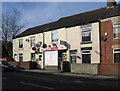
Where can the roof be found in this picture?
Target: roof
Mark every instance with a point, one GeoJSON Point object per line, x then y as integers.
{"type": "Point", "coordinates": [74, 20]}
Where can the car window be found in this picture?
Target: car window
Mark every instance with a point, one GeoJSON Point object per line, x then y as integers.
{"type": "Point", "coordinates": [6, 63]}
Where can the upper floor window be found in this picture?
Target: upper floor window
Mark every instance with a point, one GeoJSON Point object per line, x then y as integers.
{"type": "Point", "coordinates": [86, 34]}
{"type": "Point", "coordinates": [116, 30]}
{"type": "Point", "coordinates": [116, 55]}
{"type": "Point", "coordinates": [32, 43]}
{"type": "Point", "coordinates": [20, 43]}
{"type": "Point", "coordinates": [54, 35]}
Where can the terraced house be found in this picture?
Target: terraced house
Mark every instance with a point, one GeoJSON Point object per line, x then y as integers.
{"type": "Point", "coordinates": [85, 40]}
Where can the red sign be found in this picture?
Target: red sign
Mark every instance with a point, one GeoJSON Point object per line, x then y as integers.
{"type": "Point", "coordinates": [54, 48]}
{"type": "Point", "coordinates": [34, 48]}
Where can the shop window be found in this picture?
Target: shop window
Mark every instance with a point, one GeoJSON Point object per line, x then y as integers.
{"type": "Point", "coordinates": [54, 35]}
{"type": "Point", "coordinates": [86, 34]}
{"type": "Point", "coordinates": [21, 57]}
{"type": "Point", "coordinates": [15, 57]}
{"type": "Point", "coordinates": [73, 56]}
{"type": "Point", "coordinates": [32, 43]}
{"type": "Point", "coordinates": [116, 55]}
{"type": "Point", "coordinates": [33, 57]}
{"type": "Point", "coordinates": [116, 30]}
{"type": "Point", "coordinates": [86, 56]}
{"type": "Point", "coordinates": [20, 43]}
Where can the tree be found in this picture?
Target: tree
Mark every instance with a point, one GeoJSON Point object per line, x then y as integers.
{"type": "Point", "coordinates": [10, 28]}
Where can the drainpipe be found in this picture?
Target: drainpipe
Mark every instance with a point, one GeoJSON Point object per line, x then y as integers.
{"type": "Point", "coordinates": [100, 39]}
{"type": "Point", "coordinates": [43, 50]}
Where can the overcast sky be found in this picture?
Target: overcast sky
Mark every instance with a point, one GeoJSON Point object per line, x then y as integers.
{"type": "Point", "coordinates": [38, 13]}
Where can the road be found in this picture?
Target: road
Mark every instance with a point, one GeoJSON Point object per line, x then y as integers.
{"type": "Point", "coordinates": [42, 81]}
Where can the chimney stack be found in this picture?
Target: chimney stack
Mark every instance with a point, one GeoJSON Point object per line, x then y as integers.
{"type": "Point", "coordinates": [111, 3]}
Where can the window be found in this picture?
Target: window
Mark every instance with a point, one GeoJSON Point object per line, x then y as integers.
{"type": "Point", "coordinates": [116, 55]}
{"type": "Point", "coordinates": [20, 43]}
{"type": "Point", "coordinates": [86, 34]}
{"type": "Point", "coordinates": [54, 35]}
{"type": "Point", "coordinates": [40, 57]}
{"type": "Point", "coordinates": [86, 55]}
{"type": "Point", "coordinates": [116, 30]}
{"type": "Point", "coordinates": [15, 57]}
{"type": "Point", "coordinates": [73, 56]}
{"type": "Point", "coordinates": [33, 57]}
{"type": "Point", "coordinates": [32, 41]}
{"type": "Point", "coordinates": [21, 57]}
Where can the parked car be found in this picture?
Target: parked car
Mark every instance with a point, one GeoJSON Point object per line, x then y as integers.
{"type": "Point", "coordinates": [6, 66]}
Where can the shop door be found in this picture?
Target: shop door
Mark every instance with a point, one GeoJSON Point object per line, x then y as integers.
{"type": "Point", "coordinates": [59, 60]}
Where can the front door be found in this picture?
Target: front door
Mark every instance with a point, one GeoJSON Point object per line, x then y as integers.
{"type": "Point", "coordinates": [59, 60]}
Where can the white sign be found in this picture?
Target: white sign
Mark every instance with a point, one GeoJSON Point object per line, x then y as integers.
{"type": "Point", "coordinates": [51, 58]}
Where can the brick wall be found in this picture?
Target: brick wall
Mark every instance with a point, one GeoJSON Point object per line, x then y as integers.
{"type": "Point", "coordinates": [16, 64]}
{"type": "Point", "coordinates": [106, 46]}
{"type": "Point", "coordinates": [24, 65]}
{"type": "Point", "coordinates": [112, 69]}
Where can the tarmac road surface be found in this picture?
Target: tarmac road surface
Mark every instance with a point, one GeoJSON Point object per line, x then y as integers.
{"type": "Point", "coordinates": [41, 81]}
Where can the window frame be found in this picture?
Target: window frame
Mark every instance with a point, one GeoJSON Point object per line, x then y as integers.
{"type": "Point", "coordinates": [73, 54]}
{"type": "Point", "coordinates": [19, 57]}
{"type": "Point", "coordinates": [14, 57]}
{"type": "Point", "coordinates": [86, 54]}
{"type": "Point", "coordinates": [20, 43]}
{"type": "Point", "coordinates": [31, 41]}
{"type": "Point", "coordinates": [41, 54]}
{"type": "Point", "coordinates": [115, 52]}
{"type": "Point", "coordinates": [86, 29]}
{"type": "Point", "coordinates": [115, 26]}
{"type": "Point", "coordinates": [52, 33]}
{"type": "Point", "coordinates": [31, 57]}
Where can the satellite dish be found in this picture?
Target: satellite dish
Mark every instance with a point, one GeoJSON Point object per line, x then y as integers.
{"type": "Point", "coordinates": [54, 44]}
{"type": "Point", "coordinates": [44, 45]}
{"type": "Point", "coordinates": [103, 38]}
{"type": "Point", "coordinates": [39, 44]}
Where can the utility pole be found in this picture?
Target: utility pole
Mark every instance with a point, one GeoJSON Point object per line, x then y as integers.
{"type": "Point", "coordinates": [43, 52]}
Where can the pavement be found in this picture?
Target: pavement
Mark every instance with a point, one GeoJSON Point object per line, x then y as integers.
{"type": "Point", "coordinates": [108, 77]}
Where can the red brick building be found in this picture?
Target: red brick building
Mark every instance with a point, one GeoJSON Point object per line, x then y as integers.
{"type": "Point", "coordinates": [110, 44]}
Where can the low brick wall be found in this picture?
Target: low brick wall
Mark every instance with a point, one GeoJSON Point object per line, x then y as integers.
{"type": "Point", "coordinates": [85, 68]}
{"type": "Point", "coordinates": [24, 65]}
{"type": "Point", "coordinates": [51, 68]}
{"type": "Point", "coordinates": [112, 69]}
{"type": "Point", "coordinates": [16, 64]}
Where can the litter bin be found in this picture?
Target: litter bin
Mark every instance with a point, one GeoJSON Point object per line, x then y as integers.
{"type": "Point", "coordinates": [66, 66]}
